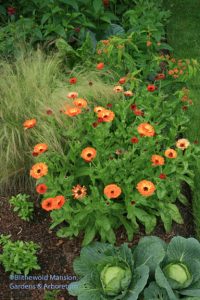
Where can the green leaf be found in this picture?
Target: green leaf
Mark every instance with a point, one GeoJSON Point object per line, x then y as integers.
{"type": "Point", "coordinates": [174, 213]}
{"type": "Point", "coordinates": [2, 10]}
{"type": "Point", "coordinates": [60, 30]}
{"type": "Point", "coordinates": [163, 283]}
{"type": "Point", "coordinates": [140, 277]}
{"type": "Point", "coordinates": [97, 5]}
{"type": "Point", "coordinates": [126, 254]}
{"type": "Point", "coordinates": [150, 251]}
{"type": "Point", "coordinates": [167, 220]}
{"type": "Point", "coordinates": [183, 199]}
{"type": "Point", "coordinates": [148, 220]}
{"type": "Point", "coordinates": [114, 29]}
{"type": "Point", "coordinates": [128, 226]}
{"type": "Point", "coordinates": [166, 46]}
{"type": "Point", "coordinates": [154, 292]}
{"type": "Point", "coordinates": [103, 222]}
{"type": "Point", "coordinates": [180, 249]}
{"type": "Point", "coordinates": [161, 193]}
{"type": "Point", "coordinates": [72, 3]}
{"type": "Point", "coordinates": [85, 289]}
{"type": "Point", "coordinates": [191, 292]}
{"type": "Point", "coordinates": [90, 256]}
{"type": "Point", "coordinates": [89, 235]}
{"type": "Point", "coordinates": [45, 17]}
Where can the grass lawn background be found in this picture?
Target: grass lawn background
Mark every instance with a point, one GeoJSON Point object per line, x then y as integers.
{"type": "Point", "coordinates": [183, 33]}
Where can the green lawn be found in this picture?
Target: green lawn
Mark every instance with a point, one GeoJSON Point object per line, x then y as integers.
{"type": "Point", "coordinates": [183, 33]}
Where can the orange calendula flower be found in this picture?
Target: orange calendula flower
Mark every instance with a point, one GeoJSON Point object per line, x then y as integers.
{"type": "Point", "coordinates": [128, 93]}
{"type": "Point", "coordinates": [79, 192]}
{"type": "Point", "coordinates": [145, 129]}
{"type": "Point", "coordinates": [100, 66]}
{"type": "Point", "coordinates": [105, 42]}
{"type": "Point", "coordinates": [112, 191]}
{"type": "Point", "coordinates": [59, 201]}
{"type": "Point", "coordinates": [148, 43]}
{"type": "Point", "coordinates": [72, 95]}
{"type": "Point", "coordinates": [170, 153]}
{"type": "Point", "coordinates": [80, 102]}
{"type": "Point", "coordinates": [41, 188]}
{"type": "Point", "coordinates": [122, 80]}
{"type": "Point", "coordinates": [146, 188]}
{"type": "Point", "coordinates": [29, 123]}
{"type": "Point", "coordinates": [98, 109]}
{"type": "Point", "coordinates": [157, 160]}
{"type": "Point", "coordinates": [40, 148]}
{"type": "Point", "coordinates": [48, 204]}
{"type": "Point", "coordinates": [118, 89]}
{"type": "Point", "coordinates": [73, 80]}
{"type": "Point", "coordinates": [170, 72]}
{"type": "Point", "coordinates": [72, 111]}
{"type": "Point", "coordinates": [106, 115]}
{"type": "Point", "coordinates": [88, 154]}
{"type": "Point", "coordinates": [182, 144]}
{"type": "Point", "coordinates": [38, 170]}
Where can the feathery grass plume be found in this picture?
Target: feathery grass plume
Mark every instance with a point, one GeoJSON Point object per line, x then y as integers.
{"type": "Point", "coordinates": [30, 88]}
{"type": "Point", "coordinates": [26, 91]}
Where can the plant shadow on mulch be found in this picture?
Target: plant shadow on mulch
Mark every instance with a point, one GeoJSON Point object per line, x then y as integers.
{"type": "Point", "coordinates": [56, 255]}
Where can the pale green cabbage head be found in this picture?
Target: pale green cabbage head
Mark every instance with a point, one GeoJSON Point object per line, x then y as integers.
{"type": "Point", "coordinates": [178, 272]}
{"type": "Point", "coordinates": [115, 279]}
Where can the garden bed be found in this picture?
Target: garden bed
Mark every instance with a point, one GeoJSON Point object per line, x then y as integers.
{"type": "Point", "coordinates": [100, 148]}
{"type": "Point", "coordinates": [57, 255]}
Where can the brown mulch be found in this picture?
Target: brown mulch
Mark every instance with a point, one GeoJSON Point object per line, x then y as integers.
{"type": "Point", "coordinates": [56, 255]}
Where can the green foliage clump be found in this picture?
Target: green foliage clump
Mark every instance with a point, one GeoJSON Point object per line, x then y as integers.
{"type": "Point", "coordinates": [37, 22]}
{"type": "Point", "coordinates": [22, 206]}
{"type": "Point", "coordinates": [18, 257]}
{"type": "Point", "coordinates": [51, 295]}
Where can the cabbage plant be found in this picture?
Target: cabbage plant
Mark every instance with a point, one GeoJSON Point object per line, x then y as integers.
{"type": "Point", "coordinates": [108, 272]}
{"type": "Point", "coordinates": [177, 275]}
{"type": "Point", "coordinates": [153, 270]}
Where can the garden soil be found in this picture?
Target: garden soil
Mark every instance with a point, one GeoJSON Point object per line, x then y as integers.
{"type": "Point", "coordinates": [56, 255]}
